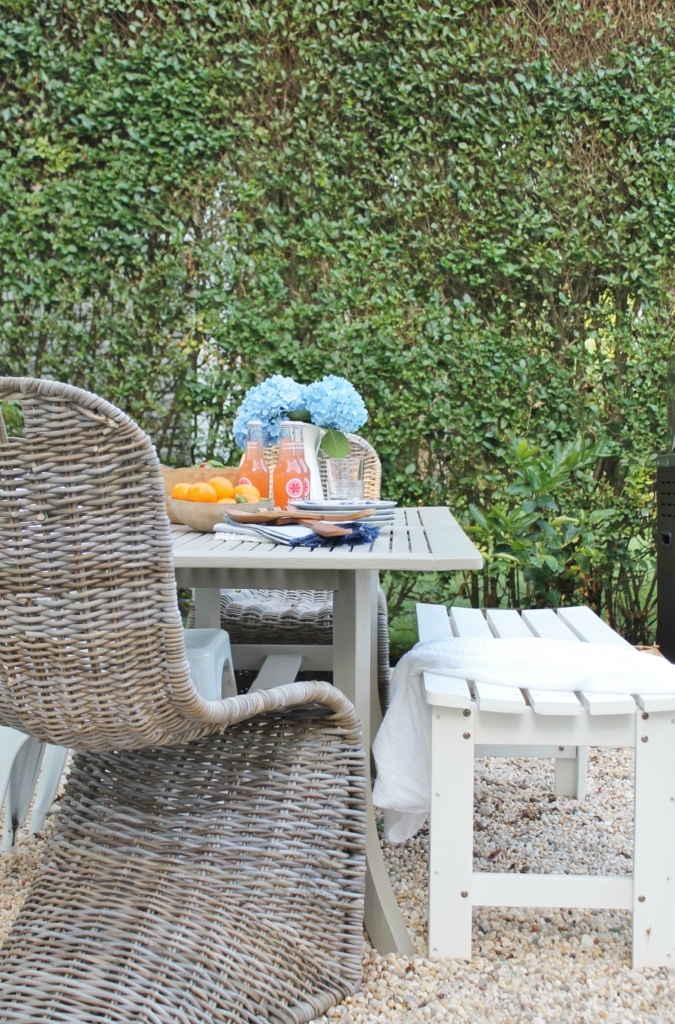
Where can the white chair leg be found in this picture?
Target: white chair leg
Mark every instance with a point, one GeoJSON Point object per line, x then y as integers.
{"type": "Point", "coordinates": [53, 764]}
{"type": "Point", "coordinates": [451, 833]}
{"type": "Point", "coordinates": [19, 767]}
{"type": "Point", "coordinates": [570, 774]}
{"type": "Point", "coordinates": [654, 845]}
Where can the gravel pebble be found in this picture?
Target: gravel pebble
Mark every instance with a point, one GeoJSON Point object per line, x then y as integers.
{"type": "Point", "coordinates": [544, 966]}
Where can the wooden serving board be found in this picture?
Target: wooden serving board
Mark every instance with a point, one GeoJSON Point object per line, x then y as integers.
{"type": "Point", "coordinates": [279, 516]}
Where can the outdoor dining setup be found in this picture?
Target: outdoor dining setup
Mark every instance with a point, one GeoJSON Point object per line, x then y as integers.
{"type": "Point", "coordinates": [215, 855]}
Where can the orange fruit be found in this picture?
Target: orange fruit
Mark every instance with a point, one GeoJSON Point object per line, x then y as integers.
{"type": "Point", "coordinates": [202, 492]}
{"type": "Point", "coordinates": [247, 491]}
{"type": "Point", "coordinates": [180, 491]}
{"type": "Point", "coordinates": [226, 501]}
{"type": "Point", "coordinates": [223, 487]}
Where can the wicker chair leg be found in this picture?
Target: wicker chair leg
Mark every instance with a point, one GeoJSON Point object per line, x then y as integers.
{"type": "Point", "coordinates": [221, 880]}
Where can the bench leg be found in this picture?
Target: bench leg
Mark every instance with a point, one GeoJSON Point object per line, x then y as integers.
{"type": "Point", "coordinates": [654, 851]}
{"type": "Point", "coordinates": [451, 833]}
{"type": "Point", "coordinates": [570, 774]}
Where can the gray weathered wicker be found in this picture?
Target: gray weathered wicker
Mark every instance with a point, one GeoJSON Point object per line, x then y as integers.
{"type": "Point", "coordinates": [295, 617]}
{"type": "Point", "coordinates": [305, 616]}
{"type": "Point", "coordinates": [208, 860]}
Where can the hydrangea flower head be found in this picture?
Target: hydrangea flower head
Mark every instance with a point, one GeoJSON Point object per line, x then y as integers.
{"type": "Point", "coordinates": [270, 401]}
{"type": "Point", "coordinates": [334, 402]}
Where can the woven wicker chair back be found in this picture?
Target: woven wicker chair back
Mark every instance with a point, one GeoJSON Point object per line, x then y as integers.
{"type": "Point", "coordinates": [358, 446]}
{"type": "Point", "coordinates": [91, 644]}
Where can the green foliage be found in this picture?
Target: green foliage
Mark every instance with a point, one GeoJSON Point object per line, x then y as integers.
{"type": "Point", "coordinates": [560, 532]}
{"type": "Point", "coordinates": [335, 444]}
{"type": "Point", "coordinates": [467, 209]}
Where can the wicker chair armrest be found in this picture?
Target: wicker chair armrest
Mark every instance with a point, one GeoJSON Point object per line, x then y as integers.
{"type": "Point", "coordinates": [280, 698]}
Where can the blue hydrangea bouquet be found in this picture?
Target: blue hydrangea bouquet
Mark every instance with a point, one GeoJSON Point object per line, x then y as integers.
{"type": "Point", "coordinates": [332, 403]}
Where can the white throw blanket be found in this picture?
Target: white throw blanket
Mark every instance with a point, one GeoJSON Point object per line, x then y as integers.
{"type": "Point", "coordinates": [403, 742]}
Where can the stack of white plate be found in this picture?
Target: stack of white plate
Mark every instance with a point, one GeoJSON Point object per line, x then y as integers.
{"type": "Point", "coordinates": [383, 510]}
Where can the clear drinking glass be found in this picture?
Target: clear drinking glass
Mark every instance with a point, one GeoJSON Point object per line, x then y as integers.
{"type": "Point", "coordinates": [345, 479]}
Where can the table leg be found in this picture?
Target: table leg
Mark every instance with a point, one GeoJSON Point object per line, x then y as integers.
{"type": "Point", "coordinates": [207, 608]}
{"type": "Point", "coordinates": [355, 674]}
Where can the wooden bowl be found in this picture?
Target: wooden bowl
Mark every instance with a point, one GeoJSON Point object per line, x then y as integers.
{"type": "Point", "coordinates": [203, 515]}
{"type": "Point", "coordinates": [193, 475]}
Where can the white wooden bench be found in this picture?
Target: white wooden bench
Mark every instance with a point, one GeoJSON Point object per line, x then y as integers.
{"type": "Point", "coordinates": [478, 719]}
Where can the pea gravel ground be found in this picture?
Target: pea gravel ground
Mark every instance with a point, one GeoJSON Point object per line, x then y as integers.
{"type": "Point", "coordinates": [539, 966]}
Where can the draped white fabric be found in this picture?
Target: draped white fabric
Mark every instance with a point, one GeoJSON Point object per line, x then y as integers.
{"type": "Point", "coordinates": [402, 745]}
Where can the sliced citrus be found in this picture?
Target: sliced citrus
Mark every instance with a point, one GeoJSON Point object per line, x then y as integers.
{"type": "Point", "coordinates": [180, 491]}
{"type": "Point", "coordinates": [223, 487]}
{"type": "Point", "coordinates": [202, 492]}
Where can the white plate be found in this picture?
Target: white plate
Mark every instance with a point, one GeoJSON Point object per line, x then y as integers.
{"type": "Point", "coordinates": [342, 506]}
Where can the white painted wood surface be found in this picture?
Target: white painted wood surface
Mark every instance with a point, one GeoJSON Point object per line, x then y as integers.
{"type": "Point", "coordinates": [654, 842]}
{"type": "Point", "coordinates": [422, 540]}
{"type": "Point", "coordinates": [277, 670]}
{"type": "Point", "coordinates": [515, 890]}
{"type": "Point", "coordinates": [451, 822]}
{"type": "Point", "coordinates": [446, 691]}
{"type": "Point", "coordinates": [497, 729]}
{"type": "Point", "coordinates": [433, 623]}
{"type": "Point", "coordinates": [550, 702]}
{"type": "Point", "coordinates": [505, 699]}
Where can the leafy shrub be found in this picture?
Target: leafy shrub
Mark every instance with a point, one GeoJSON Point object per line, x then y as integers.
{"type": "Point", "coordinates": [465, 208]}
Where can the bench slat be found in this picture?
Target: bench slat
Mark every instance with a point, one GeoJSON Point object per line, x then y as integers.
{"type": "Point", "coordinates": [655, 702]}
{"type": "Point", "coordinates": [469, 622]}
{"type": "Point", "coordinates": [506, 699]}
{"type": "Point", "coordinates": [589, 627]}
{"type": "Point", "coordinates": [608, 703]}
{"type": "Point", "coordinates": [546, 624]}
{"type": "Point", "coordinates": [446, 691]}
{"type": "Point", "coordinates": [432, 622]}
{"type": "Point", "coordinates": [507, 624]}
{"type": "Point", "coordinates": [553, 702]}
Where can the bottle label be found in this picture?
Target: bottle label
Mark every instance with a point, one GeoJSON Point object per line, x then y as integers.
{"type": "Point", "coordinates": [294, 488]}
{"type": "Point", "coordinates": [306, 493]}
{"type": "Point", "coordinates": [244, 480]}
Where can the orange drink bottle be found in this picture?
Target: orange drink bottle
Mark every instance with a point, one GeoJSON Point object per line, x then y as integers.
{"type": "Point", "coordinates": [299, 444]}
{"type": "Point", "coordinates": [289, 484]}
{"type": "Point", "coordinates": [253, 469]}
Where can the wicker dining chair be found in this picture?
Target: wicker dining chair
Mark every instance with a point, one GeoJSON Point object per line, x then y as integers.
{"type": "Point", "coordinates": [207, 862]}
{"type": "Point", "coordinates": [305, 616]}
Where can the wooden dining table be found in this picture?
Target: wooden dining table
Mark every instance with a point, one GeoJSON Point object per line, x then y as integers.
{"type": "Point", "coordinates": [420, 540]}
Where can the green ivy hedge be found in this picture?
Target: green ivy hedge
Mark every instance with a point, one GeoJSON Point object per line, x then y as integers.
{"type": "Point", "coordinates": [466, 208]}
